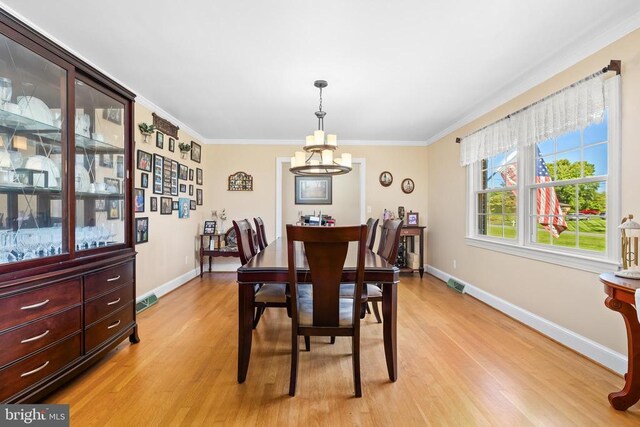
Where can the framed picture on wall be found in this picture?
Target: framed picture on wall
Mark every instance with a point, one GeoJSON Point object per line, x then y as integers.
{"type": "Point", "coordinates": [142, 230]}
{"type": "Point", "coordinates": [195, 151]}
{"type": "Point", "coordinates": [183, 172]}
{"type": "Point", "coordinates": [138, 194]}
{"type": "Point", "coordinates": [160, 140]}
{"type": "Point", "coordinates": [166, 205]}
{"type": "Point", "coordinates": [199, 196]}
{"type": "Point", "coordinates": [144, 180]}
{"type": "Point", "coordinates": [172, 144]}
{"type": "Point", "coordinates": [191, 189]}
{"type": "Point", "coordinates": [175, 205]}
{"type": "Point", "coordinates": [192, 205]}
{"type": "Point", "coordinates": [144, 161]}
{"type": "Point", "coordinates": [199, 176]}
{"type": "Point", "coordinates": [113, 211]}
{"type": "Point", "coordinates": [183, 188]}
{"type": "Point", "coordinates": [190, 174]}
{"type": "Point", "coordinates": [153, 204]}
{"type": "Point", "coordinates": [311, 190]}
{"type": "Point", "coordinates": [120, 166]}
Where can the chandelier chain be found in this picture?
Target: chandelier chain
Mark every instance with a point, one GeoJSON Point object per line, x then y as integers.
{"type": "Point", "coordinates": [320, 99]}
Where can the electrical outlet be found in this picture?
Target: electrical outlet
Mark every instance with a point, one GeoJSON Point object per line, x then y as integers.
{"type": "Point", "coordinates": [455, 264]}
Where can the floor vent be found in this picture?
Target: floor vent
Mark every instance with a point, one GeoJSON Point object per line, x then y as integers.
{"type": "Point", "coordinates": [145, 303]}
{"type": "Point", "coordinates": [455, 285]}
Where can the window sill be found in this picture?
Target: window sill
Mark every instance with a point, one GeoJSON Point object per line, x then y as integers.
{"type": "Point", "coordinates": [579, 262]}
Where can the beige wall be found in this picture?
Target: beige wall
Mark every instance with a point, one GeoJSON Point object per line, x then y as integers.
{"type": "Point", "coordinates": [171, 250]}
{"type": "Point", "coordinates": [260, 161]}
{"type": "Point", "coordinates": [568, 297]}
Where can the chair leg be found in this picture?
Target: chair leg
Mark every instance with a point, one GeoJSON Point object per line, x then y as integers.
{"type": "Point", "coordinates": [307, 343]}
{"type": "Point", "coordinates": [294, 365]}
{"type": "Point", "coordinates": [333, 340]}
{"type": "Point", "coordinates": [356, 364]}
{"type": "Point", "coordinates": [368, 309]}
{"type": "Point", "coordinates": [376, 312]}
{"type": "Point", "coordinates": [259, 312]}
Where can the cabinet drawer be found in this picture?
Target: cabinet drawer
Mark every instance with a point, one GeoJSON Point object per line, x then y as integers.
{"type": "Point", "coordinates": [108, 327]}
{"type": "Point", "coordinates": [107, 304]}
{"type": "Point", "coordinates": [27, 339]}
{"type": "Point", "coordinates": [23, 374]}
{"type": "Point", "coordinates": [27, 306]}
{"type": "Point", "coordinates": [410, 232]}
{"type": "Point", "coordinates": [106, 280]}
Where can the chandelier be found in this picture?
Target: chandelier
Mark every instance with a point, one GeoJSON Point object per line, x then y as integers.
{"type": "Point", "coordinates": [317, 157]}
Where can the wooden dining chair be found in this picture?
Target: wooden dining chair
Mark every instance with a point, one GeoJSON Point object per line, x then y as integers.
{"type": "Point", "coordinates": [372, 227]}
{"type": "Point", "coordinates": [324, 312]}
{"type": "Point", "coordinates": [267, 294]}
{"type": "Point", "coordinates": [387, 249]}
{"type": "Point", "coordinates": [262, 235]}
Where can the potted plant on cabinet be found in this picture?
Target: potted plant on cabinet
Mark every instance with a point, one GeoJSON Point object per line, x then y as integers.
{"type": "Point", "coordinates": [184, 149]}
{"type": "Point", "coordinates": [146, 130]}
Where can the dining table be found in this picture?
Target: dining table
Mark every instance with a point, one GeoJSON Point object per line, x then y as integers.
{"type": "Point", "coordinates": [271, 266]}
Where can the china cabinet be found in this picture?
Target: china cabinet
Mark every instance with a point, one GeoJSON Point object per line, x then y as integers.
{"type": "Point", "coordinates": [67, 263]}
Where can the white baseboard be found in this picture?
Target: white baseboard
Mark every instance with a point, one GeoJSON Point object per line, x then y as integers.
{"type": "Point", "coordinates": [603, 355]}
{"type": "Point", "coordinates": [171, 284]}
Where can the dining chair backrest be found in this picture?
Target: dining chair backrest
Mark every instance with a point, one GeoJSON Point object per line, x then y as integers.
{"type": "Point", "coordinates": [262, 235]}
{"type": "Point", "coordinates": [372, 227]}
{"type": "Point", "coordinates": [325, 249]}
{"type": "Point", "coordinates": [244, 235]}
{"type": "Point", "coordinates": [390, 240]}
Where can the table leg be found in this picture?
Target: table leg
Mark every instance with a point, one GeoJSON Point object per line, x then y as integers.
{"type": "Point", "coordinates": [201, 261]}
{"type": "Point", "coordinates": [245, 328]}
{"type": "Point", "coordinates": [389, 326]}
{"type": "Point", "coordinates": [421, 269]}
{"type": "Point", "coordinates": [630, 393]}
{"type": "Point", "coordinates": [210, 261]}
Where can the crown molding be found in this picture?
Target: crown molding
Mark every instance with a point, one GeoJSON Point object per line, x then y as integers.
{"type": "Point", "coordinates": [543, 72]}
{"type": "Point", "coordinates": [150, 105]}
{"type": "Point", "coordinates": [300, 142]}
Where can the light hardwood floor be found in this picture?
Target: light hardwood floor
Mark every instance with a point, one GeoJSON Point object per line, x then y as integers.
{"type": "Point", "coordinates": [461, 363]}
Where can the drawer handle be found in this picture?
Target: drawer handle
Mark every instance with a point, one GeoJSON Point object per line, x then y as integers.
{"type": "Point", "coordinates": [26, 374]}
{"type": "Point", "coordinates": [113, 279]}
{"type": "Point", "coordinates": [114, 302]}
{"type": "Point", "coordinates": [113, 325]}
{"type": "Point", "coordinates": [42, 335]}
{"type": "Point", "coordinates": [40, 304]}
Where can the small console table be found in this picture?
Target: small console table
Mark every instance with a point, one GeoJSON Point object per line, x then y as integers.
{"type": "Point", "coordinates": [621, 298]}
{"type": "Point", "coordinates": [218, 250]}
{"type": "Point", "coordinates": [413, 231]}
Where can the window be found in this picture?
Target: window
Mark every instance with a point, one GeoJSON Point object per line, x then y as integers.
{"type": "Point", "coordinates": [556, 200]}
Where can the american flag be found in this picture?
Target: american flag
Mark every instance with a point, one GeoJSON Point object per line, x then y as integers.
{"type": "Point", "coordinates": [549, 213]}
{"type": "Point", "coordinates": [548, 207]}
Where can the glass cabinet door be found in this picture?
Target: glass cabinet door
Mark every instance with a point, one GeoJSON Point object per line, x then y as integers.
{"type": "Point", "coordinates": [33, 220]}
{"type": "Point", "coordinates": [99, 168]}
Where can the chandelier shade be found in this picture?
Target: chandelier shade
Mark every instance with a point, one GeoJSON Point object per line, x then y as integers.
{"type": "Point", "coordinates": [317, 157]}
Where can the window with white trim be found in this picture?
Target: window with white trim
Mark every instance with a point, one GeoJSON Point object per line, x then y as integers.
{"type": "Point", "coordinates": [558, 195]}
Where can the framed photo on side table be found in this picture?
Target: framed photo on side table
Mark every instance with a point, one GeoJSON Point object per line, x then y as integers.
{"type": "Point", "coordinates": [413, 218]}
{"type": "Point", "coordinates": [209, 227]}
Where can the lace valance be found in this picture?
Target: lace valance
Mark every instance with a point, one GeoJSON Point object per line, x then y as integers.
{"type": "Point", "coordinates": [572, 108]}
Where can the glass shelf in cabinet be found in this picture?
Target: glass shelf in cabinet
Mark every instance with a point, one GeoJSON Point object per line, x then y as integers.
{"type": "Point", "coordinates": [18, 123]}
{"type": "Point", "coordinates": [97, 146]}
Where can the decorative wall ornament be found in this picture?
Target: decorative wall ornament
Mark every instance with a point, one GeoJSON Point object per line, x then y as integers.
{"type": "Point", "coordinates": [240, 181]}
{"type": "Point", "coordinates": [165, 126]}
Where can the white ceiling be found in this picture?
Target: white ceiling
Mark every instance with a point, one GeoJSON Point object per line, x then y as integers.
{"type": "Point", "coordinates": [397, 70]}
